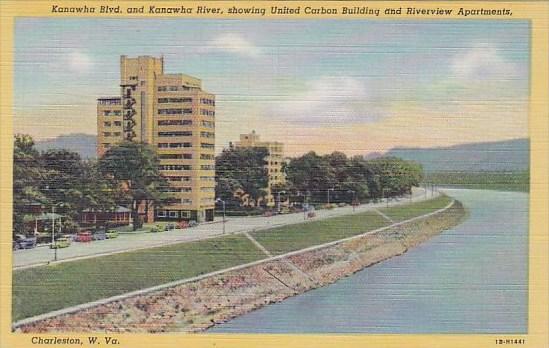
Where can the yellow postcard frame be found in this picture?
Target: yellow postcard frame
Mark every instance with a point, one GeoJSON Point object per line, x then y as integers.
{"type": "Point", "coordinates": [537, 12]}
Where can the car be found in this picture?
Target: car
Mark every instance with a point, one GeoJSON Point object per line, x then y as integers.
{"type": "Point", "coordinates": [23, 242]}
{"type": "Point", "coordinates": [62, 242]}
{"type": "Point", "coordinates": [99, 235]}
{"type": "Point", "coordinates": [182, 224]}
{"type": "Point", "coordinates": [311, 214]}
{"type": "Point", "coordinates": [169, 227]}
{"type": "Point", "coordinates": [193, 223]}
{"type": "Point", "coordinates": [84, 237]}
{"type": "Point", "coordinates": [111, 234]}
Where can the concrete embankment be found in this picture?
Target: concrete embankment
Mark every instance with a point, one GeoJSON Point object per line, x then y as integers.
{"type": "Point", "coordinates": [195, 306]}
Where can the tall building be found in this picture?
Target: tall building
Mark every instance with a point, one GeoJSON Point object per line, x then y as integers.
{"type": "Point", "coordinates": [274, 160]}
{"type": "Point", "coordinates": [172, 113]}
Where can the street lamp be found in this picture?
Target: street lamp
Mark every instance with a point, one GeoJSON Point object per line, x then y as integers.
{"type": "Point", "coordinates": [330, 189]}
{"type": "Point", "coordinates": [219, 200]}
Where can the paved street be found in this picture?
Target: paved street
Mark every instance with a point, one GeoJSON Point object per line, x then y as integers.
{"type": "Point", "coordinates": [126, 242]}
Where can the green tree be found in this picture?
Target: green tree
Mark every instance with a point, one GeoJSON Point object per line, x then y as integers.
{"type": "Point", "coordinates": [28, 174]}
{"type": "Point", "coordinates": [62, 183]}
{"type": "Point", "coordinates": [311, 175]}
{"type": "Point", "coordinates": [134, 166]}
{"type": "Point", "coordinates": [241, 168]}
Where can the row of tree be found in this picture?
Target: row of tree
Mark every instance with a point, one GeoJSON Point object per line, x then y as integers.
{"type": "Point", "coordinates": [343, 179]}
{"type": "Point", "coordinates": [60, 179]}
{"type": "Point", "coordinates": [315, 178]}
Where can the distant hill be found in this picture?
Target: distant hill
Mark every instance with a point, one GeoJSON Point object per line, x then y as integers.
{"type": "Point", "coordinates": [84, 144]}
{"type": "Point", "coordinates": [509, 155]}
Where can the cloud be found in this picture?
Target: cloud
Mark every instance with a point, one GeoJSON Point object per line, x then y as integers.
{"type": "Point", "coordinates": [329, 100]}
{"type": "Point", "coordinates": [236, 44]}
{"type": "Point", "coordinates": [79, 62]}
{"type": "Point", "coordinates": [482, 62]}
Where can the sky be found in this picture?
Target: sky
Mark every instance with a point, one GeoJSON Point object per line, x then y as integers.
{"type": "Point", "coordinates": [357, 86]}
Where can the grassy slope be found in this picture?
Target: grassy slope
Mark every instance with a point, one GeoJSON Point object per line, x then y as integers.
{"type": "Point", "coordinates": [416, 209]}
{"type": "Point", "coordinates": [499, 181]}
{"type": "Point", "coordinates": [47, 288]}
{"type": "Point", "coordinates": [294, 237]}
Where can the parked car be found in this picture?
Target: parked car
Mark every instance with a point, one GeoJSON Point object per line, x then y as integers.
{"type": "Point", "coordinates": [84, 237]}
{"type": "Point", "coordinates": [23, 242]}
{"type": "Point", "coordinates": [169, 227]}
{"type": "Point", "coordinates": [112, 234]}
{"type": "Point", "coordinates": [182, 224]}
{"type": "Point", "coordinates": [99, 235]}
{"type": "Point", "coordinates": [193, 223]}
{"type": "Point", "coordinates": [62, 242]}
{"type": "Point", "coordinates": [311, 214]}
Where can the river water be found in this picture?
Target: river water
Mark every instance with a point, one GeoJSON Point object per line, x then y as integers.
{"type": "Point", "coordinates": [470, 279]}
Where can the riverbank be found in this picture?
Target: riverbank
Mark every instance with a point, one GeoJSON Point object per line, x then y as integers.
{"type": "Point", "coordinates": [199, 305]}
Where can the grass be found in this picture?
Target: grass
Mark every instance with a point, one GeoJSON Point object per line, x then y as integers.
{"type": "Point", "coordinates": [498, 181]}
{"type": "Point", "coordinates": [47, 288]}
{"type": "Point", "coordinates": [289, 238]}
{"type": "Point", "coordinates": [405, 212]}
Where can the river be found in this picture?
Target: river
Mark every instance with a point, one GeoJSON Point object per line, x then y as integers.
{"type": "Point", "coordinates": [470, 279]}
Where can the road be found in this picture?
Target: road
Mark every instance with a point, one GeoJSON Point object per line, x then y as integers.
{"type": "Point", "coordinates": [127, 242]}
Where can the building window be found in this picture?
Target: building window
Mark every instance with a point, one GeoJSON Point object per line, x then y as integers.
{"type": "Point", "coordinates": [117, 134]}
{"type": "Point", "coordinates": [207, 134]}
{"type": "Point", "coordinates": [162, 89]}
{"type": "Point", "coordinates": [171, 167]}
{"type": "Point", "coordinates": [205, 156]}
{"type": "Point", "coordinates": [117, 123]}
{"type": "Point", "coordinates": [174, 111]}
{"type": "Point", "coordinates": [207, 101]}
{"type": "Point", "coordinates": [207, 189]}
{"type": "Point", "coordinates": [175, 156]}
{"type": "Point", "coordinates": [208, 124]}
{"type": "Point", "coordinates": [186, 201]}
{"type": "Point", "coordinates": [207, 146]}
{"type": "Point", "coordinates": [107, 124]}
{"type": "Point", "coordinates": [109, 101]}
{"type": "Point", "coordinates": [173, 213]}
{"type": "Point", "coordinates": [172, 88]}
{"type": "Point", "coordinates": [207, 167]}
{"type": "Point", "coordinates": [161, 213]}
{"type": "Point", "coordinates": [207, 112]}
{"type": "Point", "coordinates": [106, 134]}
{"type": "Point", "coordinates": [133, 77]}
{"type": "Point", "coordinates": [174, 100]}
{"type": "Point", "coordinates": [175, 134]}
{"type": "Point", "coordinates": [173, 145]}
{"type": "Point", "coordinates": [175, 122]}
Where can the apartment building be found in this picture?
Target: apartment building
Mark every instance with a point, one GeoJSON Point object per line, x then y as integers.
{"type": "Point", "coordinates": [172, 113]}
{"type": "Point", "coordinates": [274, 161]}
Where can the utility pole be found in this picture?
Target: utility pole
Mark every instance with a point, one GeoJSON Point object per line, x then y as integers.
{"type": "Point", "coordinates": [53, 233]}
{"type": "Point", "coordinates": [330, 189]}
{"type": "Point", "coordinates": [222, 201]}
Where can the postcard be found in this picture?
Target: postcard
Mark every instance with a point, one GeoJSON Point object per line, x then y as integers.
{"type": "Point", "coordinates": [274, 174]}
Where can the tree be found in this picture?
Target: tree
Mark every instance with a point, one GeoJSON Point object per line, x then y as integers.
{"type": "Point", "coordinates": [239, 168]}
{"type": "Point", "coordinates": [28, 174]}
{"type": "Point", "coordinates": [134, 166]}
{"type": "Point", "coordinates": [63, 181]}
{"type": "Point", "coordinates": [311, 175]}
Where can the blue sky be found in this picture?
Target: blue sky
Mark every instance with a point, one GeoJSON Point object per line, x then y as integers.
{"type": "Point", "coordinates": [369, 85]}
